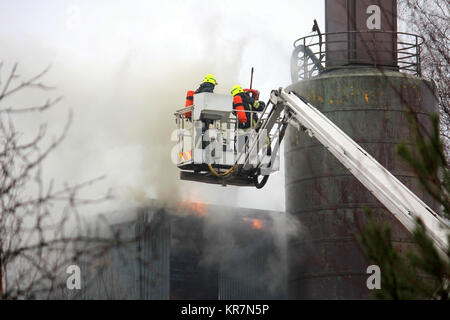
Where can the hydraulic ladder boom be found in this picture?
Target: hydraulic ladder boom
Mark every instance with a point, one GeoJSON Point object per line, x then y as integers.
{"type": "Point", "coordinates": [393, 194]}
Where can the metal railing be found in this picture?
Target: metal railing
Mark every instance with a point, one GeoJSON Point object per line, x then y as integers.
{"type": "Point", "coordinates": [227, 131]}
{"type": "Point", "coordinates": [309, 57]}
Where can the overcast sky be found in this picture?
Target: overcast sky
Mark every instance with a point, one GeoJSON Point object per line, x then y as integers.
{"type": "Point", "coordinates": [123, 67]}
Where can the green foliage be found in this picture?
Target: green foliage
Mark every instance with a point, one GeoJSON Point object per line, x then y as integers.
{"type": "Point", "coordinates": [423, 272]}
{"type": "Point", "coordinates": [398, 279]}
{"type": "Point", "coordinates": [431, 263]}
{"type": "Point", "coordinates": [427, 159]}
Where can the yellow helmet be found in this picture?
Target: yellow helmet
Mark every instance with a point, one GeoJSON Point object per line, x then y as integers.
{"type": "Point", "coordinates": [210, 78]}
{"type": "Point", "coordinates": [236, 89]}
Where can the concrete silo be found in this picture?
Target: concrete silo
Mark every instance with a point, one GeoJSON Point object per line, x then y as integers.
{"type": "Point", "coordinates": [365, 77]}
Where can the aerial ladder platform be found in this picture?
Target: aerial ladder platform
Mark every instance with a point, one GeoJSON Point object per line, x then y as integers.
{"type": "Point", "coordinates": [232, 156]}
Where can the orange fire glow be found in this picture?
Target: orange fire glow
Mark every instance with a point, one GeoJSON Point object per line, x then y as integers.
{"type": "Point", "coordinates": [197, 208]}
{"type": "Point", "coordinates": [255, 223]}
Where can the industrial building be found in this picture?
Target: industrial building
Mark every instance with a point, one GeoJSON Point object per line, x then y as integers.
{"type": "Point", "coordinates": [192, 251]}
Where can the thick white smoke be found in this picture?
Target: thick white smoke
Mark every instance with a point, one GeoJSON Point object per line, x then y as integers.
{"type": "Point", "coordinates": [124, 69]}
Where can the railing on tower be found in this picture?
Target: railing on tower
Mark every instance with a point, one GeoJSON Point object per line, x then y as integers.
{"type": "Point", "coordinates": [315, 54]}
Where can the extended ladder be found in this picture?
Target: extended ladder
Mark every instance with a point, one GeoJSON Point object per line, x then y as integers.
{"type": "Point", "coordinates": [393, 194]}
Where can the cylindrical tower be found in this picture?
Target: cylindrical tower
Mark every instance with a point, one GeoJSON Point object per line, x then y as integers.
{"type": "Point", "coordinates": [371, 104]}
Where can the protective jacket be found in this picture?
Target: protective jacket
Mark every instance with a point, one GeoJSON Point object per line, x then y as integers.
{"type": "Point", "coordinates": [243, 103]}
{"type": "Point", "coordinates": [205, 87]}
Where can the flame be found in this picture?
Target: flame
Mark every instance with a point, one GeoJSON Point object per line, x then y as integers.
{"type": "Point", "coordinates": [192, 205]}
{"type": "Point", "coordinates": [197, 208]}
{"type": "Point", "coordinates": [255, 223]}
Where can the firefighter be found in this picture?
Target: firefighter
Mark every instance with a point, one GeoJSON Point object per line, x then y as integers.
{"type": "Point", "coordinates": [208, 85]}
{"type": "Point", "coordinates": [243, 104]}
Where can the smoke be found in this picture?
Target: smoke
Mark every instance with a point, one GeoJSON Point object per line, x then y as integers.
{"type": "Point", "coordinates": [123, 114]}
{"type": "Point", "coordinates": [226, 239]}
{"type": "Point", "coordinates": [124, 70]}
{"type": "Point", "coordinates": [253, 257]}
{"type": "Point", "coordinates": [154, 101]}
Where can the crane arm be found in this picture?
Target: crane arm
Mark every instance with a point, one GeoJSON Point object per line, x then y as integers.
{"type": "Point", "coordinates": [393, 194]}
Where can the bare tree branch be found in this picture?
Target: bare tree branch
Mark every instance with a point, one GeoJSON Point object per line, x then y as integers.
{"type": "Point", "coordinates": [38, 237]}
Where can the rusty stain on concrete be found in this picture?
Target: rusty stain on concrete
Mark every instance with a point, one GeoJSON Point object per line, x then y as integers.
{"type": "Point", "coordinates": [366, 97]}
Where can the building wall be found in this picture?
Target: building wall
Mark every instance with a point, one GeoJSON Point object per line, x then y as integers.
{"type": "Point", "coordinates": [216, 253]}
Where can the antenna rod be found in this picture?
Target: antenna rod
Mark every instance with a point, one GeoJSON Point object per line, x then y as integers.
{"type": "Point", "coordinates": [251, 79]}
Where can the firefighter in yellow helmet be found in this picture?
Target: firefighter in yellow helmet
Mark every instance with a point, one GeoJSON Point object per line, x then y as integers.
{"type": "Point", "coordinates": [243, 103]}
{"type": "Point", "coordinates": [208, 85]}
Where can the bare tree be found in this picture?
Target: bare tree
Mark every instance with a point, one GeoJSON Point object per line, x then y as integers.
{"type": "Point", "coordinates": [41, 229]}
{"type": "Point", "coordinates": [431, 20]}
